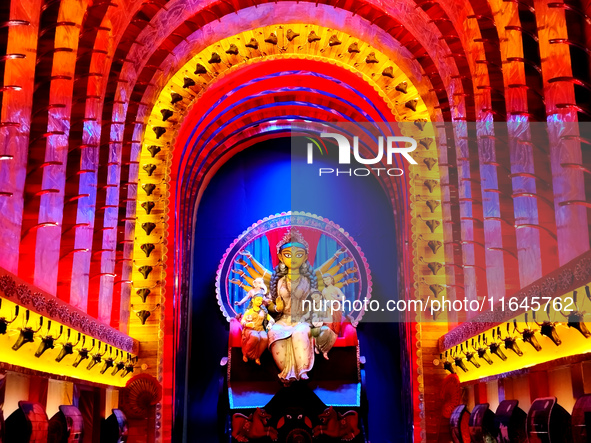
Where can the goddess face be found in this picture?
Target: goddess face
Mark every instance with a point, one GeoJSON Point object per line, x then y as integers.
{"type": "Point", "coordinates": [293, 257]}
{"type": "Point", "coordinates": [257, 302]}
{"type": "Point", "coordinates": [327, 280]}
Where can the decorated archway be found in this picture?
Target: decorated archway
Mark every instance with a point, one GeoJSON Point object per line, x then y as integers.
{"type": "Point", "coordinates": [311, 73]}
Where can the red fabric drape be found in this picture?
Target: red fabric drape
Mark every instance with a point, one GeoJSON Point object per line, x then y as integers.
{"type": "Point", "coordinates": [312, 236]}
{"type": "Point", "coordinates": [273, 238]}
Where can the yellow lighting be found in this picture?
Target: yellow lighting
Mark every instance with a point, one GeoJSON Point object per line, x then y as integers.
{"type": "Point", "coordinates": [25, 356]}
{"type": "Point", "coordinates": [573, 342]}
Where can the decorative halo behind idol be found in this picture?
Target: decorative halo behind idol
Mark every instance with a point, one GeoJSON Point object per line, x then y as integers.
{"type": "Point", "coordinates": [253, 264]}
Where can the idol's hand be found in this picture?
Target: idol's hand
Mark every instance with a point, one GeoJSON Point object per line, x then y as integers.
{"type": "Point", "coordinates": [236, 282]}
{"type": "Point", "coordinates": [240, 272]}
{"type": "Point", "coordinates": [245, 253]}
{"type": "Point", "coordinates": [241, 262]}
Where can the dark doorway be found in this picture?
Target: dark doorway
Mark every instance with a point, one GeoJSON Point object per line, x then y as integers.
{"type": "Point", "coordinates": [256, 183]}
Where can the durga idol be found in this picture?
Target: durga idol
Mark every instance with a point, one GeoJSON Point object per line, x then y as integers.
{"type": "Point", "coordinates": [290, 341]}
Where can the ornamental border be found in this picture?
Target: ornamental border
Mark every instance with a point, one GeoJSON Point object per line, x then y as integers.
{"type": "Point", "coordinates": [568, 277]}
{"type": "Point", "coordinates": [42, 303]}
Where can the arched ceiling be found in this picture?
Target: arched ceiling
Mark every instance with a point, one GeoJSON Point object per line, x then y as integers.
{"type": "Point", "coordinates": [229, 93]}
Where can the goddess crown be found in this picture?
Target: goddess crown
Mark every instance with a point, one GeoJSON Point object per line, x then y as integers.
{"type": "Point", "coordinates": [292, 238]}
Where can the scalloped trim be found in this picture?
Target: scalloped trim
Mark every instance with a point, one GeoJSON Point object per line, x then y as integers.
{"type": "Point", "coordinates": [250, 231]}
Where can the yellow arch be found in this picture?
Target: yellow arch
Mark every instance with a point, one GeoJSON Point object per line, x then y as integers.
{"type": "Point", "coordinates": [313, 43]}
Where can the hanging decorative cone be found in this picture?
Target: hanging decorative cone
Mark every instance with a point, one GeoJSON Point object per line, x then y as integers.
{"type": "Point", "coordinates": [148, 206]}
{"type": "Point", "coordinates": [312, 37]}
{"type": "Point", "coordinates": [402, 87]}
{"type": "Point", "coordinates": [430, 162]}
{"type": "Point", "coordinates": [215, 58]}
{"type": "Point", "coordinates": [175, 98]}
{"type": "Point", "coordinates": [432, 205]}
{"type": "Point", "coordinates": [388, 72]}
{"type": "Point", "coordinates": [149, 188]}
{"type": "Point", "coordinates": [188, 82]}
{"type": "Point", "coordinates": [141, 393]}
{"type": "Point", "coordinates": [147, 248]}
{"type": "Point", "coordinates": [436, 289]}
{"type": "Point", "coordinates": [148, 227]}
{"type": "Point", "coordinates": [166, 114]}
{"type": "Point", "coordinates": [430, 184]}
{"type": "Point", "coordinates": [252, 44]}
{"type": "Point", "coordinates": [143, 293]}
{"type": "Point", "coordinates": [434, 267]}
{"type": "Point", "coordinates": [426, 142]}
{"type": "Point", "coordinates": [353, 48]}
{"type": "Point", "coordinates": [145, 271]}
{"type": "Point", "coordinates": [271, 39]}
{"type": "Point", "coordinates": [371, 58]}
{"type": "Point", "coordinates": [159, 131]}
{"type": "Point", "coordinates": [143, 316]}
{"type": "Point", "coordinates": [434, 245]}
{"type": "Point", "coordinates": [421, 123]}
{"type": "Point", "coordinates": [291, 35]}
{"type": "Point", "coordinates": [153, 150]}
{"type": "Point", "coordinates": [334, 41]}
{"type": "Point", "coordinates": [412, 104]}
{"type": "Point", "coordinates": [200, 69]}
{"type": "Point", "coordinates": [432, 224]}
{"type": "Point", "coordinates": [232, 50]}
{"type": "Point", "coordinates": [149, 168]}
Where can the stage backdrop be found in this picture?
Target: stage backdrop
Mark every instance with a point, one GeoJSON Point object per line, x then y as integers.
{"type": "Point", "coordinates": [256, 183]}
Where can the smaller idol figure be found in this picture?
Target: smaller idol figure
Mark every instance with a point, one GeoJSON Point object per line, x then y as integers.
{"type": "Point", "coordinates": [254, 335]}
{"type": "Point", "coordinates": [332, 293]}
{"type": "Point", "coordinates": [259, 289]}
{"type": "Point", "coordinates": [324, 330]}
